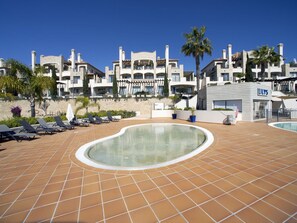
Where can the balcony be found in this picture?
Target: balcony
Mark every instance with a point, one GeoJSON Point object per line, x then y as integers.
{"type": "Point", "coordinates": [100, 83]}
{"type": "Point", "coordinates": [160, 70]}
{"type": "Point", "coordinates": [76, 84]}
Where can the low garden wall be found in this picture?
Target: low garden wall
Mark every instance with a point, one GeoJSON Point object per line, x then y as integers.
{"type": "Point", "coordinates": [201, 115]}
{"type": "Point", "coordinates": [142, 106]}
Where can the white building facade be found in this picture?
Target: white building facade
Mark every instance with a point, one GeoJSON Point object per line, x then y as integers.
{"type": "Point", "coordinates": [3, 68]}
{"type": "Point", "coordinates": [70, 73]}
{"type": "Point", "coordinates": [145, 72]}
{"type": "Point", "coordinates": [226, 69]}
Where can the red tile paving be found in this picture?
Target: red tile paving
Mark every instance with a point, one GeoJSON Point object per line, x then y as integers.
{"type": "Point", "coordinates": [249, 174]}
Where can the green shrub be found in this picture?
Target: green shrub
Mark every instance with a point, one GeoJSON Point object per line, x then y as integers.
{"type": "Point", "coordinates": [103, 113]}
{"type": "Point", "coordinates": [15, 122]}
{"type": "Point", "coordinates": [49, 119]}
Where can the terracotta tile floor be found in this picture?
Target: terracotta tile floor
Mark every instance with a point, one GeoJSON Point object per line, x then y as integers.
{"type": "Point", "coordinates": [249, 174]}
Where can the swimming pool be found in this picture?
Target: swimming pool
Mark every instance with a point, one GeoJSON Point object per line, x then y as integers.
{"type": "Point", "coordinates": [145, 146]}
{"type": "Point", "coordinates": [289, 126]}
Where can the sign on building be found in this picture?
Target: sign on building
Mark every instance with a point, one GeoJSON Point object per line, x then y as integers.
{"type": "Point", "coordinates": [262, 92]}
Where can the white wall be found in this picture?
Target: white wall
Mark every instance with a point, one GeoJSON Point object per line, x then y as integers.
{"type": "Point", "coordinates": [201, 116]}
{"type": "Point", "coordinates": [206, 116]}
{"type": "Point", "coordinates": [183, 103]}
{"type": "Point", "coordinates": [161, 113]}
{"type": "Point", "coordinates": [246, 92]}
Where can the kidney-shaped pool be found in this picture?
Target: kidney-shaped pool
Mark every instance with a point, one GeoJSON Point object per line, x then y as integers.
{"type": "Point", "coordinates": [145, 146]}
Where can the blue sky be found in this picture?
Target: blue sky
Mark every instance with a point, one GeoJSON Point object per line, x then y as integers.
{"type": "Point", "coordinates": [96, 28]}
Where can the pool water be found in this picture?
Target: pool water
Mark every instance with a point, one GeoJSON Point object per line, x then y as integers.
{"type": "Point", "coordinates": [146, 146]}
{"type": "Point", "coordinates": [290, 126]}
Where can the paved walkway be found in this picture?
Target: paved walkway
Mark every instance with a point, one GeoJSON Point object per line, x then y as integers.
{"type": "Point", "coordinates": [249, 174]}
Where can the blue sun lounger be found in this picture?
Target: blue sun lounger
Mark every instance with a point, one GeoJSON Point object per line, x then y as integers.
{"type": "Point", "coordinates": [9, 133]}
{"type": "Point", "coordinates": [47, 128]}
{"type": "Point", "coordinates": [61, 124]}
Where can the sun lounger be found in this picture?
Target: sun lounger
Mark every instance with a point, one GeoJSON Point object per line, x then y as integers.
{"type": "Point", "coordinates": [61, 124]}
{"type": "Point", "coordinates": [78, 122]}
{"type": "Point", "coordinates": [9, 133]}
{"type": "Point", "coordinates": [93, 120]}
{"type": "Point", "coordinates": [111, 118]}
{"type": "Point", "coordinates": [29, 128]}
{"type": "Point", "coordinates": [102, 120]}
{"type": "Point", "coordinates": [48, 128]}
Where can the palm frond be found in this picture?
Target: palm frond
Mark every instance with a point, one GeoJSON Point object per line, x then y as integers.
{"type": "Point", "coordinates": [78, 109]}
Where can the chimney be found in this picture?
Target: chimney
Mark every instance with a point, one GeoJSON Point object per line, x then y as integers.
{"type": "Point", "coordinates": [167, 55]}
{"type": "Point", "coordinates": [78, 58]}
{"type": "Point", "coordinates": [73, 59]}
{"type": "Point", "coordinates": [33, 59]}
{"type": "Point", "coordinates": [123, 55]}
{"type": "Point", "coordinates": [120, 56]}
{"type": "Point", "coordinates": [281, 49]}
{"type": "Point", "coordinates": [230, 55]}
{"type": "Point", "coordinates": [224, 54]}
{"type": "Point", "coordinates": [281, 53]}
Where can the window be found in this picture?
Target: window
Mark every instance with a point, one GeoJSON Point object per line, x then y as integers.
{"type": "Point", "coordinates": [228, 104]}
{"type": "Point", "coordinates": [225, 77]}
{"type": "Point", "coordinates": [135, 89]}
{"type": "Point", "coordinates": [138, 76]}
{"type": "Point", "coordinates": [110, 78]}
{"type": "Point", "coordinates": [149, 89]}
{"type": "Point", "coordinates": [175, 77]}
{"type": "Point", "coordinates": [160, 75]}
{"type": "Point", "coordinates": [160, 90]}
{"type": "Point", "coordinates": [76, 79]}
{"type": "Point", "coordinates": [149, 76]}
{"type": "Point", "coordinates": [123, 91]}
{"type": "Point", "coordinates": [82, 69]}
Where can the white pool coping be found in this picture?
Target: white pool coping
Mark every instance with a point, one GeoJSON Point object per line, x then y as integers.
{"type": "Point", "coordinates": [272, 124]}
{"type": "Point", "coordinates": [81, 153]}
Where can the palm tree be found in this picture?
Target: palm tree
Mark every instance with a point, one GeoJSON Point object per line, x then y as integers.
{"type": "Point", "coordinates": [26, 82]}
{"type": "Point", "coordinates": [196, 45]}
{"type": "Point", "coordinates": [263, 56]}
{"type": "Point", "coordinates": [85, 103]}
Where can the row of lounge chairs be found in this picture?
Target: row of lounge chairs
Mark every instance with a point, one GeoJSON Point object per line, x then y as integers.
{"type": "Point", "coordinates": [99, 120]}
{"type": "Point", "coordinates": [30, 132]}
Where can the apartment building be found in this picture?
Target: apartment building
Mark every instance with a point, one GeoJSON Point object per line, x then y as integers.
{"type": "Point", "coordinates": [70, 73]}
{"type": "Point", "coordinates": [282, 76]}
{"type": "Point", "coordinates": [144, 72]}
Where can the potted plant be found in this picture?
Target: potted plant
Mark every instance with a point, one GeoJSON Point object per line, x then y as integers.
{"type": "Point", "coordinates": [174, 112]}
{"type": "Point", "coordinates": [193, 116]}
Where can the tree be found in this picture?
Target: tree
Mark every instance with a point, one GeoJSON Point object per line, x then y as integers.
{"type": "Point", "coordinates": [196, 45]}
{"type": "Point", "coordinates": [30, 84]}
{"type": "Point", "coordinates": [248, 70]}
{"type": "Point", "coordinates": [115, 86]}
{"type": "Point", "coordinates": [240, 76]}
{"type": "Point", "coordinates": [85, 86]}
{"type": "Point", "coordinates": [166, 86]}
{"type": "Point", "coordinates": [85, 104]}
{"type": "Point", "coordinates": [54, 90]}
{"type": "Point", "coordinates": [263, 56]}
